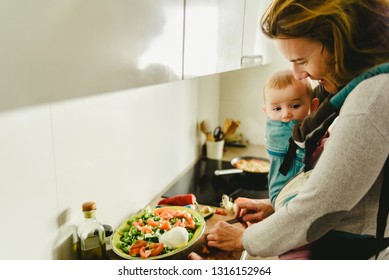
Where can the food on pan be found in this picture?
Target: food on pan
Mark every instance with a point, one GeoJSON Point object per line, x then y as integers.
{"type": "Point", "coordinates": [255, 165]}
{"type": "Point", "coordinates": [155, 232]}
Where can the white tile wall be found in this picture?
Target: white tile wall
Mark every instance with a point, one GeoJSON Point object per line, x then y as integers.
{"type": "Point", "coordinates": [119, 149]}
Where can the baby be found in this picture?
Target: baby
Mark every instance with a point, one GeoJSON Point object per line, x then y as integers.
{"type": "Point", "coordinates": [287, 101]}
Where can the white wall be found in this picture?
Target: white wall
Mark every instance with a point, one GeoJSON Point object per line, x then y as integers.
{"type": "Point", "coordinates": [241, 96]}
{"type": "Point", "coordinates": [119, 149]}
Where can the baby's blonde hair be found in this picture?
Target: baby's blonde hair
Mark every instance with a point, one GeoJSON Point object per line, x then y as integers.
{"type": "Point", "coordinates": [285, 78]}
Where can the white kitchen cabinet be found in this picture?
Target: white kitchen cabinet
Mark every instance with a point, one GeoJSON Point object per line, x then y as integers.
{"type": "Point", "coordinates": [213, 36]}
{"type": "Point", "coordinates": [55, 50]}
{"type": "Point", "coordinates": [70, 49]}
{"type": "Point", "coordinates": [256, 49]}
{"type": "Point", "coordinates": [224, 35]}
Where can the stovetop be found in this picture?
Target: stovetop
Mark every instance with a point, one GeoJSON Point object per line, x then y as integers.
{"type": "Point", "coordinates": [209, 188]}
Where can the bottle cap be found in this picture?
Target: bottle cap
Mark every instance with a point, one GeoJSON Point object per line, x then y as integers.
{"type": "Point", "coordinates": [89, 206]}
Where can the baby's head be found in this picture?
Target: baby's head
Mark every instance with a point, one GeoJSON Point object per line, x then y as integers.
{"type": "Point", "coordinates": [288, 99]}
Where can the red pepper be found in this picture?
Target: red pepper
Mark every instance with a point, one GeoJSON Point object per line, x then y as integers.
{"type": "Point", "coordinates": [179, 200]}
{"type": "Point", "coordinates": [221, 211]}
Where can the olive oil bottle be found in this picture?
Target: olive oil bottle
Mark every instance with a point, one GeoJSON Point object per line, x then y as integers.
{"type": "Point", "coordinates": [91, 235]}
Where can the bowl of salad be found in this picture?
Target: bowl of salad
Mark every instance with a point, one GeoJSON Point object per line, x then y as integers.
{"type": "Point", "coordinates": [158, 233]}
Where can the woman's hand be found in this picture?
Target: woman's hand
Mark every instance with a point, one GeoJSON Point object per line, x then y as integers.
{"type": "Point", "coordinates": [229, 237]}
{"type": "Point", "coordinates": [226, 237]}
{"type": "Point", "coordinates": [254, 210]}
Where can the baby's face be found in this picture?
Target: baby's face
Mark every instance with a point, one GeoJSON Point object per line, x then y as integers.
{"type": "Point", "coordinates": [287, 104]}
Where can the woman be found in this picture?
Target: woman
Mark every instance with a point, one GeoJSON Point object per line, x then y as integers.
{"type": "Point", "coordinates": [331, 42]}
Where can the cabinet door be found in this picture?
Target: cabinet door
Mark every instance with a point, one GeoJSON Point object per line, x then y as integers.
{"type": "Point", "coordinates": [256, 46]}
{"type": "Point", "coordinates": [213, 36]}
{"type": "Point", "coordinates": [52, 51]}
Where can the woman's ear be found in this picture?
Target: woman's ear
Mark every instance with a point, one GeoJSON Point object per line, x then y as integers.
{"type": "Point", "coordinates": [314, 104]}
{"type": "Point", "coordinates": [264, 109]}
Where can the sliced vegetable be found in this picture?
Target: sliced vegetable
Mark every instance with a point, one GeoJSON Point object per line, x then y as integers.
{"type": "Point", "coordinates": [146, 229]}
{"type": "Point", "coordinates": [156, 249]}
{"type": "Point", "coordinates": [152, 223]}
{"type": "Point", "coordinates": [221, 211]}
{"type": "Point", "coordinates": [144, 254]}
{"type": "Point", "coordinates": [226, 203]}
{"type": "Point", "coordinates": [135, 248]}
{"type": "Point", "coordinates": [165, 225]}
{"type": "Point", "coordinates": [190, 223]}
{"type": "Point", "coordinates": [207, 212]}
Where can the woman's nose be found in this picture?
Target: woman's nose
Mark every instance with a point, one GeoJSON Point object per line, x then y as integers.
{"type": "Point", "coordinates": [299, 72]}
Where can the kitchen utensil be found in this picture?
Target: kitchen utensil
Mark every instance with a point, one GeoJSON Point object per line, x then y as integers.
{"type": "Point", "coordinates": [205, 128]}
{"type": "Point", "coordinates": [198, 232]}
{"type": "Point", "coordinates": [218, 134]}
{"type": "Point", "coordinates": [232, 128]}
{"type": "Point", "coordinates": [227, 124]}
{"type": "Point", "coordinates": [235, 220]}
{"type": "Point", "coordinates": [254, 165]}
{"type": "Point", "coordinates": [228, 171]}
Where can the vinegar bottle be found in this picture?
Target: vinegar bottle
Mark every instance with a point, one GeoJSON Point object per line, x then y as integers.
{"type": "Point", "coordinates": [91, 235]}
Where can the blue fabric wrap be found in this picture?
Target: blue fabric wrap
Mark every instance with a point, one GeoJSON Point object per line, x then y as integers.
{"type": "Point", "coordinates": [338, 100]}
{"type": "Point", "coordinates": [277, 136]}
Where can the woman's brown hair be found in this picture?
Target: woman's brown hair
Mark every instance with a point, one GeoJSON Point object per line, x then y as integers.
{"type": "Point", "coordinates": [356, 32]}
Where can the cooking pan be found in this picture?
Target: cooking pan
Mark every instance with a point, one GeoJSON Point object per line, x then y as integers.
{"type": "Point", "coordinates": [247, 164]}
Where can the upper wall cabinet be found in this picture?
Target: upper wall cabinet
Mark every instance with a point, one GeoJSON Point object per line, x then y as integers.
{"type": "Point", "coordinates": [67, 49]}
{"type": "Point", "coordinates": [54, 50]}
{"type": "Point", "coordinates": [256, 48]}
{"type": "Point", "coordinates": [224, 35]}
{"type": "Point", "coordinates": [213, 36]}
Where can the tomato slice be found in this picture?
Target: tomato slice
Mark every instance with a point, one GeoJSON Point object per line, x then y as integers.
{"type": "Point", "coordinates": [156, 249]}
{"type": "Point", "coordinates": [135, 248]}
{"type": "Point", "coordinates": [221, 211]}
{"type": "Point", "coordinates": [166, 215]}
{"type": "Point", "coordinates": [190, 223]}
{"type": "Point", "coordinates": [165, 225]}
{"type": "Point", "coordinates": [151, 222]}
{"type": "Point", "coordinates": [183, 214]}
{"type": "Point", "coordinates": [146, 229]}
{"type": "Point", "coordinates": [144, 254]}
{"type": "Point", "coordinates": [179, 223]}
{"type": "Point", "coordinates": [138, 223]}
{"type": "Point", "coordinates": [139, 244]}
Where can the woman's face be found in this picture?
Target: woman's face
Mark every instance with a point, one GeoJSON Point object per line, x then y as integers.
{"type": "Point", "coordinates": [309, 59]}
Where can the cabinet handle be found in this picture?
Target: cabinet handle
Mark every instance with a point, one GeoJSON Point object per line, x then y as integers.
{"type": "Point", "coordinates": [251, 60]}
